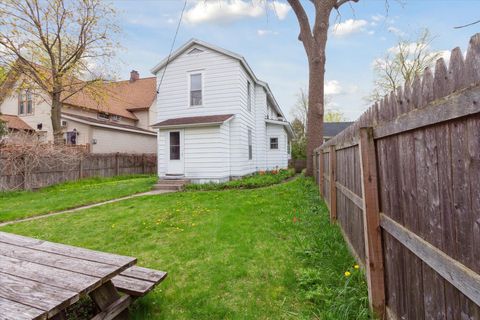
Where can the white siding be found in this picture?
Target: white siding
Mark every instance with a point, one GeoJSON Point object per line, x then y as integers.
{"type": "Point", "coordinates": [119, 141]}
{"type": "Point", "coordinates": [225, 91]}
{"type": "Point", "coordinates": [206, 153]}
{"type": "Point", "coordinates": [260, 127]}
{"type": "Point", "coordinates": [41, 113]}
{"type": "Point", "coordinates": [277, 159]}
{"type": "Point", "coordinates": [220, 94]}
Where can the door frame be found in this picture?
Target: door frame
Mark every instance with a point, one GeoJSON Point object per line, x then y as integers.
{"type": "Point", "coordinates": [176, 167]}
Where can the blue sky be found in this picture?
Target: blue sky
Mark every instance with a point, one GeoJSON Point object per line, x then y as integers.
{"type": "Point", "coordinates": [266, 35]}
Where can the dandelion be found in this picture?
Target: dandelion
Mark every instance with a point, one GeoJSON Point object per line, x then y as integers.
{"type": "Point", "coordinates": [347, 274]}
{"type": "Point", "coordinates": [356, 266]}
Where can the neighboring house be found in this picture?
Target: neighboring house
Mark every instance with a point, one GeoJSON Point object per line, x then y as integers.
{"type": "Point", "coordinates": [331, 129]}
{"type": "Point", "coordinates": [117, 118]}
{"type": "Point", "coordinates": [216, 119]}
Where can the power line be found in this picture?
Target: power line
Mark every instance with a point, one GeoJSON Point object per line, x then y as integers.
{"type": "Point", "coordinates": [173, 45]}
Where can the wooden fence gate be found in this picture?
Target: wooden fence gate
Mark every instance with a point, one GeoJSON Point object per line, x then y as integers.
{"type": "Point", "coordinates": [403, 183]}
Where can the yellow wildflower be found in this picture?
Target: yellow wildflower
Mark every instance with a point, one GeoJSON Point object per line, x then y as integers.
{"type": "Point", "coordinates": [347, 273]}
{"type": "Point", "coordinates": [356, 266]}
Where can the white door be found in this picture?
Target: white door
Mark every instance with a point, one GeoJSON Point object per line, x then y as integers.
{"type": "Point", "coordinates": [175, 152]}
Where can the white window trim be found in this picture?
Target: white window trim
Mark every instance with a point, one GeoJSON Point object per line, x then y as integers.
{"type": "Point", "coordinates": [25, 107]}
{"type": "Point", "coordinates": [270, 143]}
{"type": "Point", "coordinates": [202, 73]}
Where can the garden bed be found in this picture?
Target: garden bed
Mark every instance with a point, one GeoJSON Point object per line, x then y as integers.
{"type": "Point", "coordinates": [257, 180]}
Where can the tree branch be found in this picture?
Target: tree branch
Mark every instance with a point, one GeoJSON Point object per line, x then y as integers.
{"type": "Point", "coordinates": [306, 35]}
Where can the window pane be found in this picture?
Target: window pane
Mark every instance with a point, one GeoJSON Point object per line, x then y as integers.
{"type": "Point", "coordinates": [250, 149]}
{"type": "Point", "coordinates": [273, 143]}
{"type": "Point", "coordinates": [196, 82]}
{"type": "Point", "coordinates": [175, 145]}
{"type": "Point", "coordinates": [196, 98]}
{"type": "Point", "coordinates": [21, 108]}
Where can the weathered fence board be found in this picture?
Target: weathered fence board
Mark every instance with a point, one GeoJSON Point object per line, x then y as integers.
{"type": "Point", "coordinates": [92, 165]}
{"type": "Point", "coordinates": [427, 153]}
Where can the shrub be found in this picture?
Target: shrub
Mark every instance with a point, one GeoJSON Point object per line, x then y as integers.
{"type": "Point", "coordinates": [256, 180]}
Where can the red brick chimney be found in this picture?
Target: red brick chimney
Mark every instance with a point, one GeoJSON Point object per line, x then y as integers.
{"type": "Point", "coordinates": [134, 75]}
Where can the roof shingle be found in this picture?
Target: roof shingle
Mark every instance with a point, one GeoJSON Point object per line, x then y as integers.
{"type": "Point", "coordinates": [219, 118]}
{"type": "Point", "coordinates": [15, 123]}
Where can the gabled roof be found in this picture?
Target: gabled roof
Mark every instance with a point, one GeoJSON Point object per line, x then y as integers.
{"type": "Point", "coordinates": [194, 121]}
{"type": "Point", "coordinates": [331, 129]}
{"type": "Point", "coordinates": [119, 97]}
{"type": "Point", "coordinates": [105, 124]}
{"type": "Point", "coordinates": [113, 97]}
{"type": "Point", "coordinates": [192, 42]}
{"type": "Point", "coordinates": [15, 123]}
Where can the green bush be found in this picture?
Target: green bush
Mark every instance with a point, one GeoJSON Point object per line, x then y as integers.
{"type": "Point", "coordinates": [256, 180]}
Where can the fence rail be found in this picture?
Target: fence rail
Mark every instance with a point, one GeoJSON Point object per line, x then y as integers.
{"type": "Point", "coordinates": [403, 183]}
{"type": "Point", "coordinates": [92, 165]}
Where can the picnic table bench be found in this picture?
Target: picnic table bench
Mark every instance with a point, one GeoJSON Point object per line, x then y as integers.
{"type": "Point", "coordinates": [40, 279]}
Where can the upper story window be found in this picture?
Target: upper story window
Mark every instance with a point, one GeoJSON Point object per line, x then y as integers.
{"type": "Point", "coordinates": [249, 96]}
{"type": "Point", "coordinates": [25, 103]}
{"type": "Point", "coordinates": [115, 117]}
{"type": "Point", "coordinates": [196, 89]}
{"type": "Point", "coordinates": [103, 116]}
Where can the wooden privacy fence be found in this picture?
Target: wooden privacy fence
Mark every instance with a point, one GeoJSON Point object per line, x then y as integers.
{"type": "Point", "coordinates": [92, 165]}
{"type": "Point", "coordinates": [403, 183]}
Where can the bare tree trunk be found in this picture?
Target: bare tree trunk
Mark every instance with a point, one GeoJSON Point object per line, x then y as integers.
{"type": "Point", "coordinates": [315, 108]}
{"type": "Point", "coordinates": [56, 119]}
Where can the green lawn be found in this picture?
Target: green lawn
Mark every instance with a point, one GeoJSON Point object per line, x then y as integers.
{"type": "Point", "coordinates": [267, 253]}
{"type": "Point", "coordinates": [22, 204]}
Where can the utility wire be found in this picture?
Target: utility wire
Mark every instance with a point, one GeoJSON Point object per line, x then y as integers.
{"type": "Point", "coordinates": [173, 45]}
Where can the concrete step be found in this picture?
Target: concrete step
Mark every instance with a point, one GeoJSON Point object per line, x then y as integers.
{"type": "Point", "coordinates": [176, 182]}
{"type": "Point", "coordinates": [174, 187]}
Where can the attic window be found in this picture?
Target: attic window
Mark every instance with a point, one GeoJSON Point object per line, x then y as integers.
{"type": "Point", "coordinates": [103, 116]}
{"type": "Point", "coordinates": [195, 51]}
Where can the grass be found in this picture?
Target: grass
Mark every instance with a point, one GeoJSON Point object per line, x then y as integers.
{"type": "Point", "coordinates": [21, 204]}
{"type": "Point", "coordinates": [267, 253]}
{"type": "Point", "coordinates": [256, 180]}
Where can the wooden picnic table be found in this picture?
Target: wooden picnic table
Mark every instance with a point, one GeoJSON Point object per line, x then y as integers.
{"type": "Point", "coordinates": [40, 279]}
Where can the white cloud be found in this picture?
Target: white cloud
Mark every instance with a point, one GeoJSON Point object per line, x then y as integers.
{"type": "Point", "coordinates": [378, 17]}
{"type": "Point", "coordinates": [333, 87]}
{"type": "Point", "coordinates": [227, 11]}
{"type": "Point", "coordinates": [263, 32]}
{"type": "Point", "coordinates": [396, 31]}
{"type": "Point", "coordinates": [349, 27]}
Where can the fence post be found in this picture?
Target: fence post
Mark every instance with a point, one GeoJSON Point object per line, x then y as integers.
{"type": "Point", "coordinates": [80, 169]}
{"type": "Point", "coordinates": [315, 165]}
{"type": "Point", "coordinates": [320, 172]}
{"type": "Point", "coordinates": [117, 164]}
{"type": "Point", "coordinates": [371, 222]}
{"type": "Point", "coordinates": [333, 187]}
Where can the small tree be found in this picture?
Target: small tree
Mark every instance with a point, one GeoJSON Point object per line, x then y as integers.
{"type": "Point", "coordinates": [54, 43]}
{"type": "Point", "coordinates": [299, 142]}
{"type": "Point", "coordinates": [402, 64]}
{"type": "Point", "coordinates": [333, 115]}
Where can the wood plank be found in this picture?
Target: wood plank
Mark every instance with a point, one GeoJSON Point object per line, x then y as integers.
{"type": "Point", "coordinates": [371, 221]}
{"type": "Point", "coordinates": [144, 274]}
{"type": "Point", "coordinates": [463, 278]}
{"type": "Point", "coordinates": [66, 250]}
{"type": "Point", "coordinates": [333, 189]}
{"type": "Point", "coordinates": [132, 286]}
{"type": "Point", "coordinates": [36, 295]}
{"type": "Point", "coordinates": [105, 296]}
{"type": "Point", "coordinates": [49, 275]}
{"type": "Point", "coordinates": [358, 201]}
{"type": "Point", "coordinates": [459, 104]}
{"type": "Point", "coordinates": [321, 173]}
{"type": "Point", "coordinates": [114, 309]}
{"type": "Point", "coordinates": [86, 267]}
{"type": "Point", "coordinates": [13, 310]}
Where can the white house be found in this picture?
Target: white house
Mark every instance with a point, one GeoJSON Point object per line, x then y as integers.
{"type": "Point", "coordinates": [216, 119]}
